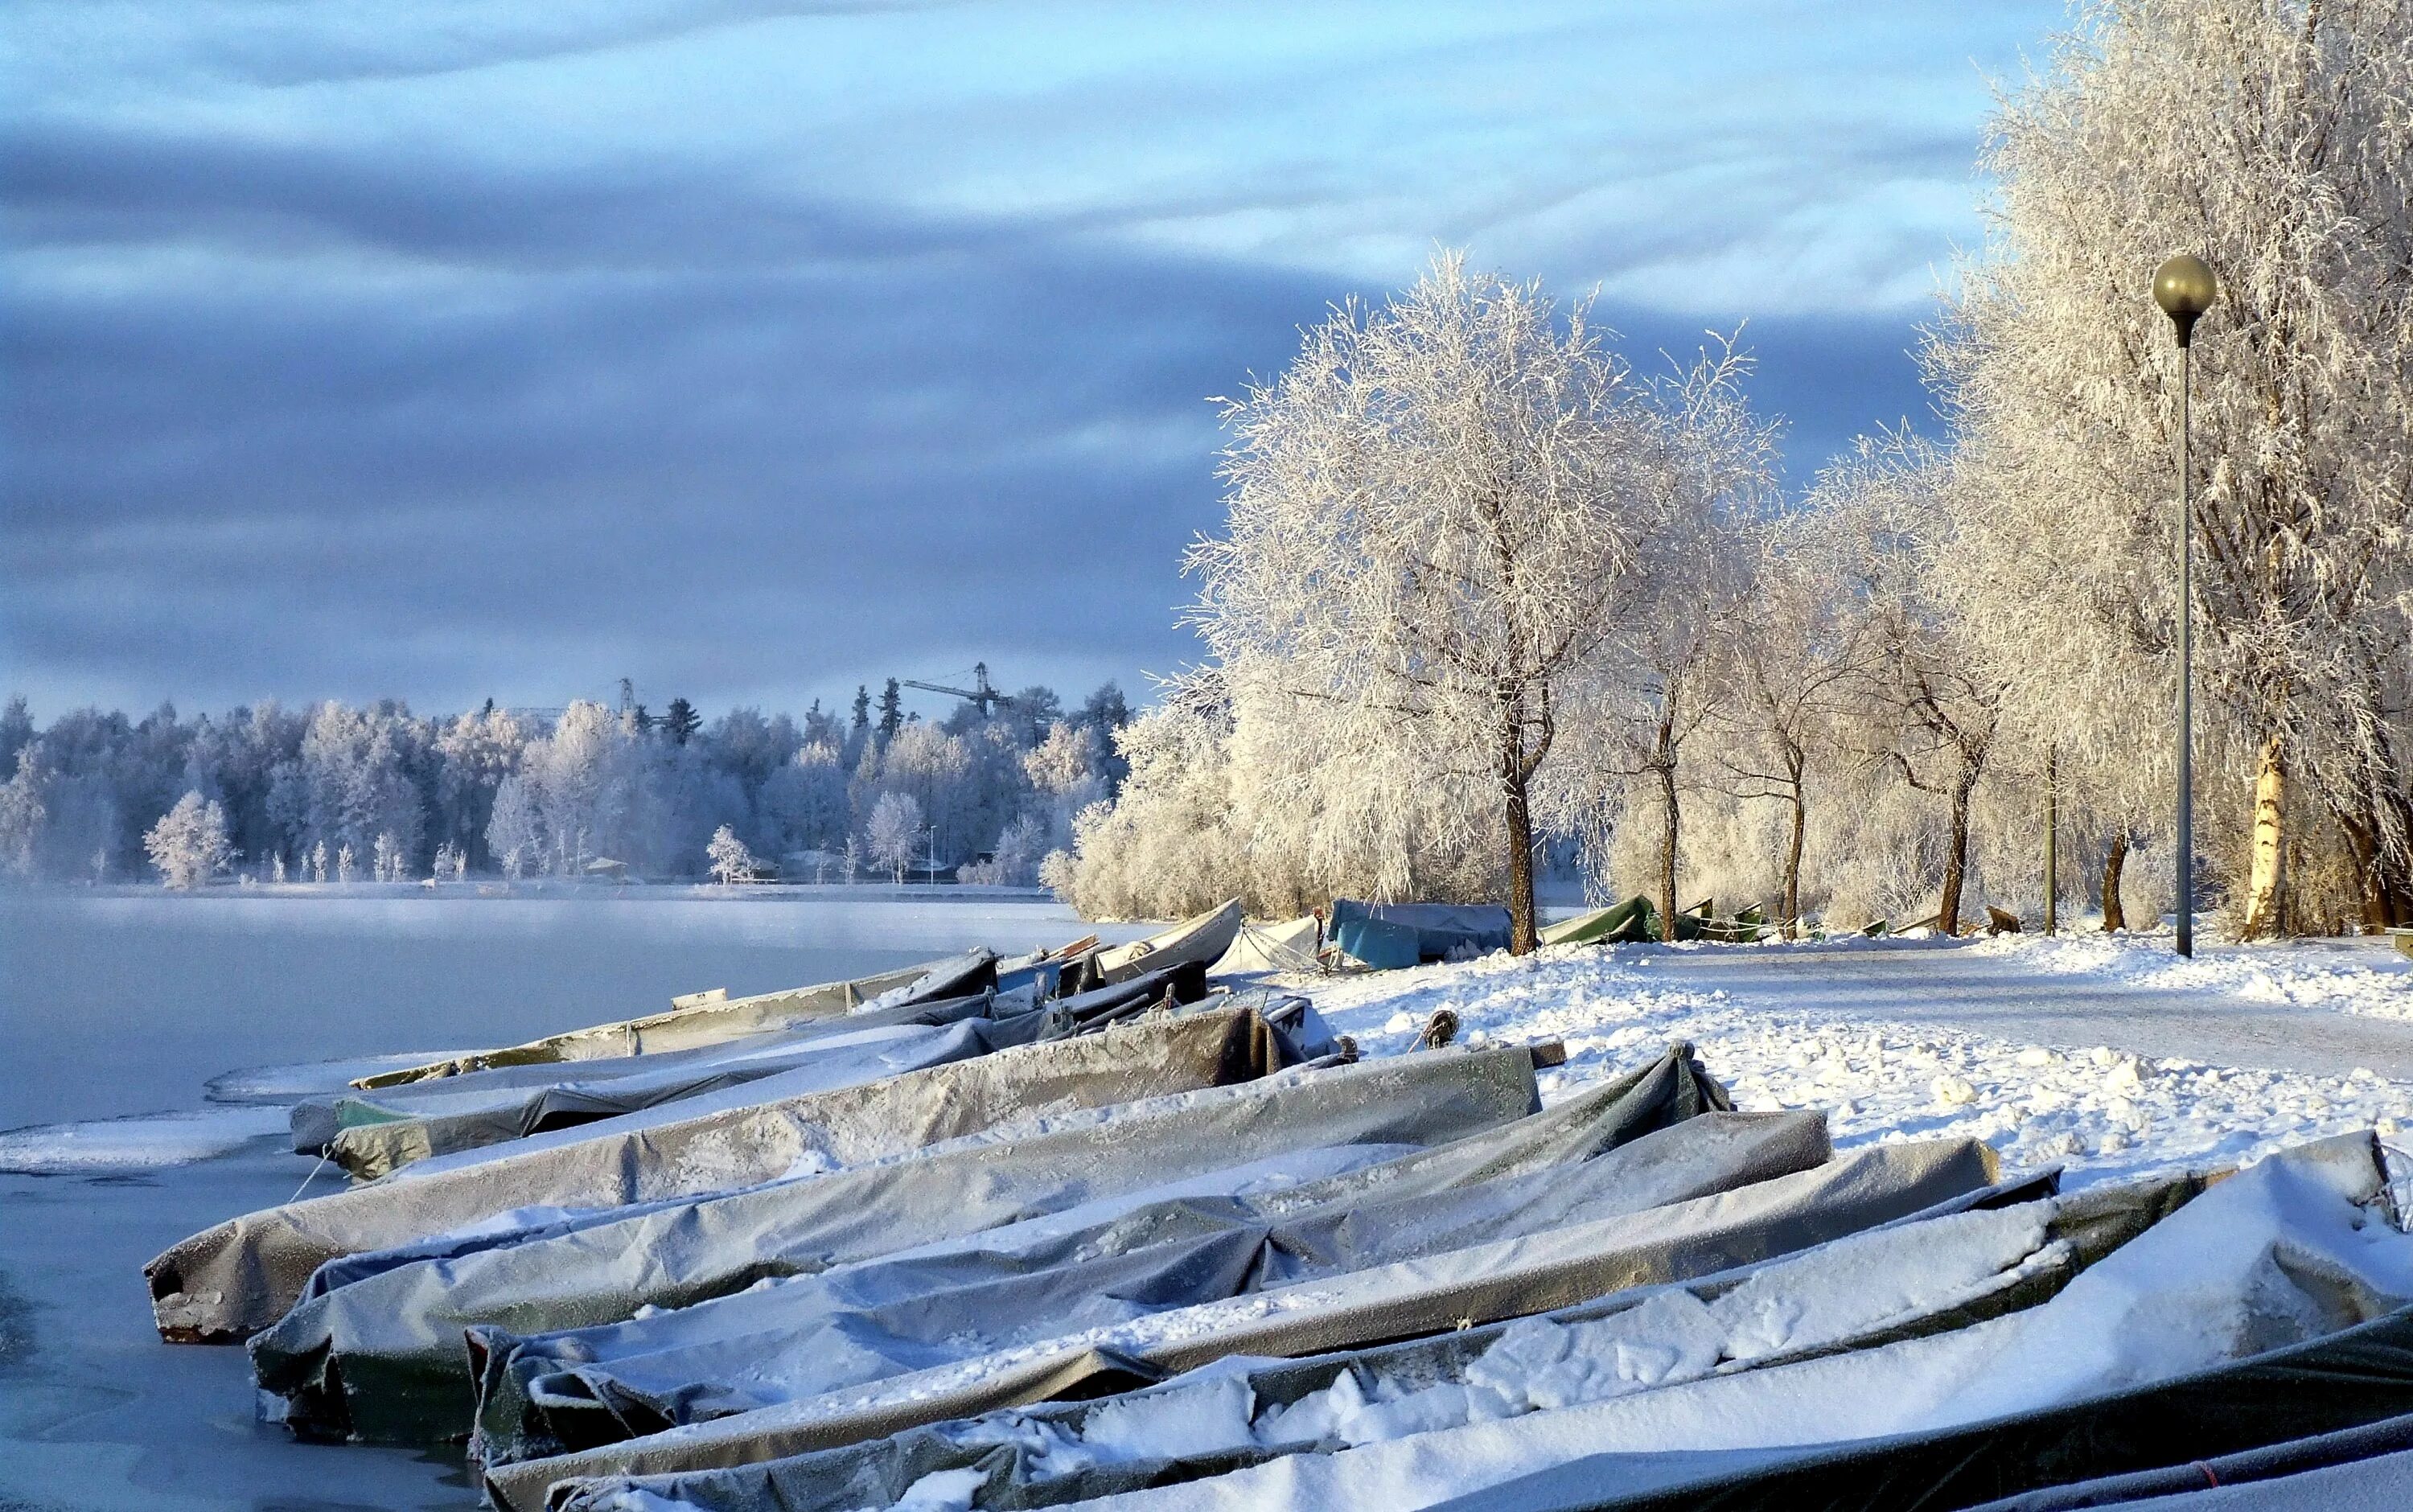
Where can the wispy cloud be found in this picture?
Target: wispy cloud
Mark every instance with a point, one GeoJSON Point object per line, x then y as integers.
{"type": "Point", "coordinates": [756, 349]}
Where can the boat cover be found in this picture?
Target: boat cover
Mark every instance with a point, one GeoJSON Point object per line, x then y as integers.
{"type": "Point", "coordinates": [1439, 928]}
{"type": "Point", "coordinates": [383, 1357]}
{"type": "Point", "coordinates": [2343, 1380]}
{"type": "Point", "coordinates": [1289, 946]}
{"type": "Point", "coordinates": [1971, 1256]}
{"type": "Point", "coordinates": [2274, 1307]}
{"type": "Point", "coordinates": [1653, 1136]}
{"type": "Point", "coordinates": [236, 1277]}
{"type": "Point", "coordinates": [719, 1021]}
{"type": "Point", "coordinates": [1630, 922]}
{"type": "Point", "coordinates": [373, 1138]}
{"type": "Point", "coordinates": [2285, 1474]}
{"type": "Point", "coordinates": [1460, 1288]}
{"type": "Point", "coordinates": [317, 1119]}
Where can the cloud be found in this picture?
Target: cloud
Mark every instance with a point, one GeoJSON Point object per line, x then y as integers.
{"type": "Point", "coordinates": [418, 370]}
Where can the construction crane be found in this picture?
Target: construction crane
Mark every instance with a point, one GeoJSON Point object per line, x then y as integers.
{"type": "Point", "coordinates": [979, 694]}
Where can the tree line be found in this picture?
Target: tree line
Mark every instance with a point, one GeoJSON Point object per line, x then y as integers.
{"type": "Point", "coordinates": [1487, 583]}
{"type": "Point", "coordinates": [339, 792]}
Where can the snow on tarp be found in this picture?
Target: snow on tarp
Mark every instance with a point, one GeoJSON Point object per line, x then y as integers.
{"type": "Point", "coordinates": [718, 1022]}
{"type": "Point", "coordinates": [1462, 1287]}
{"type": "Point", "coordinates": [1937, 1268]}
{"type": "Point", "coordinates": [317, 1119]}
{"type": "Point", "coordinates": [383, 1357]}
{"type": "Point", "coordinates": [1640, 1142]}
{"type": "Point", "coordinates": [237, 1278]}
{"type": "Point", "coordinates": [138, 1144]}
{"type": "Point", "coordinates": [2294, 1249]}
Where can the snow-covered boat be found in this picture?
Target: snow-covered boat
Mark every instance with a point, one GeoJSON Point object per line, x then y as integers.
{"type": "Point", "coordinates": [237, 1278]}
{"type": "Point", "coordinates": [1200, 940]}
{"type": "Point", "coordinates": [381, 1355]}
{"type": "Point", "coordinates": [717, 1021]}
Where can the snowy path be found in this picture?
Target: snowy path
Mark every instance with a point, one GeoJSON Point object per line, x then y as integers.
{"type": "Point", "coordinates": [1980, 990]}
{"type": "Point", "coordinates": [2106, 1056]}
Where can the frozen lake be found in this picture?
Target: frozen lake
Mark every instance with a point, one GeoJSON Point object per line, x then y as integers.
{"type": "Point", "coordinates": [126, 1003]}
{"type": "Point", "coordinates": [121, 1004]}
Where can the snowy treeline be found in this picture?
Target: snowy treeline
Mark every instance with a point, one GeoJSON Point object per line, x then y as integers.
{"type": "Point", "coordinates": [342, 794]}
{"type": "Point", "coordinates": [1486, 583]}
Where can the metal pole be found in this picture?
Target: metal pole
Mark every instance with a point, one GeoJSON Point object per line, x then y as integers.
{"type": "Point", "coordinates": [2052, 839]}
{"type": "Point", "coordinates": [2185, 858]}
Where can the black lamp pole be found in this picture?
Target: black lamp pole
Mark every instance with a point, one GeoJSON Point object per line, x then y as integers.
{"type": "Point", "coordinates": [2184, 288]}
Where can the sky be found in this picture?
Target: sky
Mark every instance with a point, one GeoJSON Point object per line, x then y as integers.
{"type": "Point", "coordinates": [752, 351]}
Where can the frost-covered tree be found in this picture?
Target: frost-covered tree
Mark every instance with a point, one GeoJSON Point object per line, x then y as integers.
{"type": "Point", "coordinates": [515, 830]}
{"type": "Point", "coordinates": [804, 802]}
{"type": "Point", "coordinates": [476, 752]}
{"type": "Point", "coordinates": [2273, 138]}
{"type": "Point", "coordinates": [344, 862]}
{"type": "Point", "coordinates": [894, 832]}
{"type": "Point", "coordinates": [1436, 524]}
{"type": "Point", "coordinates": [189, 843]}
{"type": "Point", "coordinates": [1711, 464]}
{"type": "Point", "coordinates": [353, 780]}
{"type": "Point", "coordinates": [731, 860]}
{"type": "Point", "coordinates": [1931, 701]}
{"type": "Point", "coordinates": [21, 814]}
{"type": "Point", "coordinates": [1793, 662]}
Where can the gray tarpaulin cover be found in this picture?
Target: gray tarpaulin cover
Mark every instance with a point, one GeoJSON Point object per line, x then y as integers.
{"type": "Point", "coordinates": [484, 1120]}
{"type": "Point", "coordinates": [715, 1023]}
{"type": "Point", "coordinates": [1462, 1287]}
{"type": "Point", "coordinates": [317, 1120]}
{"type": "Point", "coordinates": [373, 1134]}
{"type": "Point", "coordinates": [1054, 1453]}
{"type": "Point", "coordinates": [385, 1357]}
{"type": "Point", "coordinates": [1638, 1142]}
{"type": "Point", "coordinates": [235, 1279]}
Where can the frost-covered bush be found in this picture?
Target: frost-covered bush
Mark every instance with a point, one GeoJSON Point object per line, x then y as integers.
{"type": "Point", "coordinates": [189, 844]}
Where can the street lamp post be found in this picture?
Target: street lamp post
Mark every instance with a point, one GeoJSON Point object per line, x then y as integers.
{"type": "Point", "coordinates": [2184, 288]}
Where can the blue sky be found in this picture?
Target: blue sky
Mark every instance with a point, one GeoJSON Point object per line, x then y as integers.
{"type": "Point", "coordinates": [753, 351]}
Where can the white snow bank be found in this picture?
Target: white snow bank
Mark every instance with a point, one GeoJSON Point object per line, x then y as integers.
{"type": "Point", "coordinates": [140, 1144]}
{"type": "Point", "coordinates": [2364, 978]}
{"type": "Point", "coordinates": [2214, 1282]}
{"type": "Point", "coordinates": [2101, 1113]}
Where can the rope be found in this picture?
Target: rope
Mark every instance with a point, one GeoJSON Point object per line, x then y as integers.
{"type": "Point", "coordinates": [307, 1179]}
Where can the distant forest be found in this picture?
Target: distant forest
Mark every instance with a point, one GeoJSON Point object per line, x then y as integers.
{"type": "Point", "coordinates": [379, 792]}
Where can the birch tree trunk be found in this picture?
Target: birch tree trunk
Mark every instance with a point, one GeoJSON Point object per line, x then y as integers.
{"type": "Point", "coordinates": [2266, 880]}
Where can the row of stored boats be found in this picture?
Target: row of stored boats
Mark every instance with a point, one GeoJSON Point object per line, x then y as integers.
{"type": "Point", "coordinates": [1095, 1226]}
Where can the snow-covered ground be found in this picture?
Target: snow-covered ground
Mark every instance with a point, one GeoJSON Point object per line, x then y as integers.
{"type": "Point", "coordinates": [1777, 1024]}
